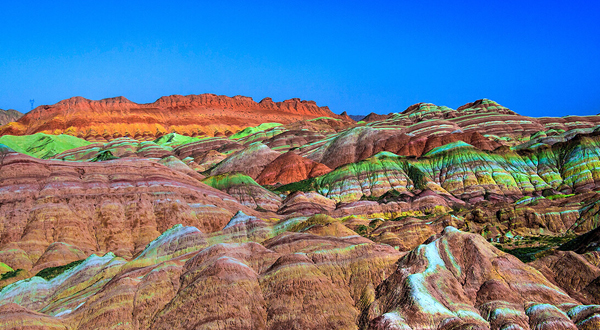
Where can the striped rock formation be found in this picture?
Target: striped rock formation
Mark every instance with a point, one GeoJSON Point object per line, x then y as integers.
{"type": "Point", "coordinates": [315, 275]}
{"type": "Point", "coordinates": [290, 167]}
{"type": "Point", "coordinates": [205, 114]}
{"type": "Point", "coordinates": [309, 221]}
{"type": "Point", "coordinates": [245, 190]}
{"type": "Point", "coordinates": [97, 207]}
{"type": "Point", "coordinates": [459, 281]}
{"type": "Point", "coordinates": [42, 145]}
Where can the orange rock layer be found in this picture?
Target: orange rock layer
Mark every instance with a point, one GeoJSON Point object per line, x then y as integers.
{"type": "Point", "coordinates": [204, 114]}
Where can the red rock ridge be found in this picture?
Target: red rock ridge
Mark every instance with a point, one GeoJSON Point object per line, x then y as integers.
{"type": "Point", "coordinates": [204, 114]}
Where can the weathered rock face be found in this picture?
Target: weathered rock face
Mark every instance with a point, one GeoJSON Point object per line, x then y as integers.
{"type": "Point", "coordinates": [117, 148]}
{"type": "Point", "coordinates": [362, 142]}
{"type": "Point", "coordinates": [424, 111]}
{"type": "Point", "coordinates": [307, 203]}
{"type": "Point", "coordinates": [353, 228]}
{"type": "Point", "coordinates": [573, 273]}
{"type": "Point", "coordinates": [319, 275]}
{"type": "Point", "coordinates": [58, 254]}
{"type": "Point", "coordinates": [205, 114]}
{"type": "Point", "coordinates": [375, 117]}
{"type": "Point", "coordinates": [424, 126]}
{"type": "Point", "coordinates": [483, 116]}
{"type": "Point", "coordinates": [459, 281]}
{"type": "Point", "coordinates": [406, 235]}
{"type": "Point", "coordinates": [575, 267]}
{"type": "Point", "coordinates": [462, 171]}
{"type": "Point", "coordinates": [290, 167]}
{"type": "Point", "coordinates": [250, 161]}
{"type": "Point", "coordinates": [372, 177]}
{"type": "Point", "coordinates": [195, 149]}
{"type": "Point", "coordinates": [10, 115]}
{"type": "Point", "coordinates": [116, 206]}
{"type": "Point", "coordinates": [484, 106]}
{"type": "Point", "coordinates": [178, 281]}
{"type": "Point", "coordinates": [293, 139]}
{"type": "Point", "coordinates": [245, 190]}
{"type": "Point", "coordinates": [588, 242]}
{"type": "Point", "coordinates": [17, 317]}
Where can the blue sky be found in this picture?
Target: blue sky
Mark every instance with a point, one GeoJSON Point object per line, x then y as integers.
{"type": "Point", "coordinates": [539, 58]}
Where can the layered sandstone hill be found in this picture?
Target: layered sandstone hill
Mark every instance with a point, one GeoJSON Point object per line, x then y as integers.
{"type": "Point", "coordinates": [42, 145]}
{"type": "Point", "coordinates": [97, 207]}
{"type": "Point", "coordinates": [245, 190]}
{"type": "Point", "coordinates": [430, 218]}
{"type": "Point", "coordinates": [316, 274]}
{"type": "Point", "coordinates": [205, 114]}
{"type": "Point", "coordinates": [289, 168]}
{"type": "Point", "coordinates": [483, 116]}
{"type": "Point", "coordinates": [460, 282]}
{"type": "Point", "coordinates": [468, 173]}
{"type": "Point", "coordinates": [10, 115]}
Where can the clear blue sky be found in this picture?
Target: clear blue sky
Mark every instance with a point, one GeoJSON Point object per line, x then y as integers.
{"type": "Point", "coordinates": [535, 57]}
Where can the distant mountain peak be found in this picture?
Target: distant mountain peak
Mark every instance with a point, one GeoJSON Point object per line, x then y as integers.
{"type": "Point", "coordinates": [10, 115]}
{"type": "Point", "coordinates": [485, 105]}
{"type": "Point", "coordinates": [203, 114]}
